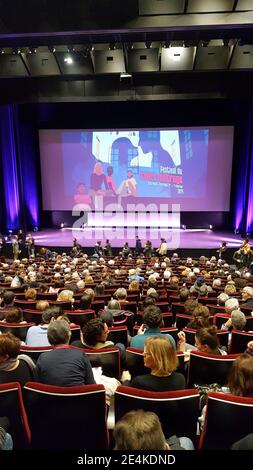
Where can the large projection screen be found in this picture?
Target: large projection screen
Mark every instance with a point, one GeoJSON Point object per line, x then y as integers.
{"type": "Point", "coordinates": [123, 168]}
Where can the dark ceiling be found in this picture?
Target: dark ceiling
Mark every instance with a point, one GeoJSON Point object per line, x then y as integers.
{"type": "Point", "coordinates": [63, 50]}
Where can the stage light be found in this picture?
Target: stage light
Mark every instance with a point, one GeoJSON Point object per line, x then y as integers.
{"type": "Point", "coordinates": [125, 75]}
{"type": "Point", "coordinates": [35, 229]}
{"type": "Point", "coordinates": [62, 225]}
{"type": "Point", "coordinates": [68, 60]}
{"type": "Point", "coordinates": [6, 239]}
{"type": "Point", "coordinates": [210, 227]}
{"type": "Point", "coordinates": [10, 232]}
{"type": "Point", "coordinates": [236, 231]}
{"type": "Point", "coordinates": [184, 227]}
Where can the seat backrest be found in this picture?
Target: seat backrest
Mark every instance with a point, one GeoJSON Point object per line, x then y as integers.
{"type": "Point", "coordinates": [228, 419]}
{"type": "Point", "coordinates": [209, 368]}
{"type": "Point", "coordinates": [249, 324]}
{"type": "Point", "coordinates": [182, 320]}
{"type": "Point", "coordinates": [32, 316]}
{"type": "Point", "coordinates": [24, 304]}
{"type": "Point", "coordinates": [17, 329]}
{"type": "Point", "coordinates": [239, 341]}
{"type": "Point", "coordinates": [118, 334]}
{"type": "Point", "coordinates": [177, 411]}
{"type": "Point", "coordinates": [34, 352]}
{"type": "Point", "coordinates": [220, 319]}
{"type": "Point", "coordinates": [12, 406]}
{"type": "Point", "coordinates": [81, 317]}
{"type": "Point", "coordinates": [107, 358]}
{"type": "Point", "coordinates": [66, 418]}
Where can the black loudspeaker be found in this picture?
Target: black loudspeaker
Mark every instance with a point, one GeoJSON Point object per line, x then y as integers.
{"type": "Point", "coordinates": [42, 64]}
{"type": "Point", "coordinates": [242, 57]}
{"type": "Point", "coordinates": [12, 65]}
{"type": "Point", "coordinates": [209, 6]}
{"type": "Point", "coordinates": [75, 63]}
{"type": "Point", "coordinates": [177, 58]}
{"type": "Point", "coordinates": [212, 57]}
{"type": "Point", "coordinates": [107, 61]}
{"type": "Point", "coordinates": [143, 60]}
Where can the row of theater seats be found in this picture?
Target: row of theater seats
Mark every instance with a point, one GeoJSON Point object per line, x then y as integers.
{"type": "Point", "coordinates": [63, 418]}
{"type": "Point", "coordinates": [235, 342]}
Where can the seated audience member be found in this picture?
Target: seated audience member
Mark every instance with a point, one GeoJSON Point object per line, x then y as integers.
{"type": "Point", "coordinates": [221, 299]}
{"type": "Point", "coordinates": [246, 443]}
{"type": "Point", "coordinates": [64, 366]}
{"type": "Point", "coordinates": [149, 300]}
{"type": "Point", "coordinates": [6, 442]}
{"type": "Point", "coordinates": [85, 301]}
{"type": "Point", "coordinates": [200, 318]}
{"type": "Point", "coordinates": [94, 336]}
{"type": "Point", "coordinates": [230, 290]}
{"type": "Point", "coordinates": [42, 305]}
{"type": "Point", "coordinates": [107, 317]}
{"type": "Point", "coordinates": [142, 430]}
{"type": "Point", "coordinates": [134, 286]}
{"type": "Point", "coordinates": [151, 292]}
{"type": "Point", "coordinates": [99, 289]}
{"type": "Point", "coordinates": [37, 335]}
{"type": "Point", "coordinates": [14, 368]}
{"type": "Point", "coordinates": [190, 305]}
{"type": "Point", "coordinates": [247, 296]}
{"type": "Point", "coordinates": [8, 299]}
{"type": "Point", "coordinates": [206, 341]}
{"type": "Point", "coordinates": [65, 296]}
{"type": "Point", "coordinates": [249, 349]}
{"type": "Point", "coordinates": [237, 321]}
{"type": "Point", "coordinates": [15, 315]}
{"type": "Point", "coordinates": [200, 282]}
{"type": "Point", "coordinates": [121, 294]}
{"type": "Point", "coordinates": [31, 295]}
{"type": "Point", "coordinates": [152, 321]}
{"type": "Point", "coordinates": [240, 380]}
{"type": "Point", "coordinates": [183, 294]}
{"type": "Point", "coordinates": [159, 356]}
{"type": "Point", "coordinates": [134, 275]}
{"type": "Point", "coordinates": [231, 304]}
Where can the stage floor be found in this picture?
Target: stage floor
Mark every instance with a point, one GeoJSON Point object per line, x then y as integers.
{"type": "Point", "coordinates": [176, 238]}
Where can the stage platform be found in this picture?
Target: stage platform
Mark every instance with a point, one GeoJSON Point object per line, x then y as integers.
{"type": "Point", "coordinates": [176, 238]}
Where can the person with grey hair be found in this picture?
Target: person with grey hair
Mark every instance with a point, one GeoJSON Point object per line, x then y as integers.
{"type": "Point", "coordinates": [222, 298]}
{"type": "Point", "coordinates": [237, 321]}
{"type": "Point", "coordinates": [121, 294]}
{"type": "Point", "coordinates": [64, 366]}
{"type": "Point", "coordinates": [247, 296]}
{"type": "Point", "coordinates": [231, 304]}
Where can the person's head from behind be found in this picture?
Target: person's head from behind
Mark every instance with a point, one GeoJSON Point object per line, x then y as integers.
{"type": "Point", "coordinates": [160, 355]}
{"type": "Point", "coordinates": [222, 298]}
{"type": "Point", "coordinates": [85, 301]}
{"type": "Point", "coordinates": [238, 320]}
{"type": "Point", "coordinates": [240, 380]}
{"type": "Point", "coordinates": [139, 430]}
{"type": "Point", "coordinates": [153, 317]}
{"type": "Point", "coordinates": [231, 304]}
{"type": "Point", "coordinates": [58, 332]}
{"type": "Point", "coordinates": [121, 294]}
{"type": "Point", "coordinates": [200, 317]}
{"type": "Point", "coordinates": [31, 294]}
{"type": "Point", "coordinates": [8, 298]}
{"type": "Point", "coordinates": [14, 315]}
{"type": "Point", "coordinates": [190, 306]}
{"type": "Point", "coordinates": [9, 347]}
{"type": "Point", "coordinates": [148, 301]}
{"type": "Point", "coordinates": [99, 289]}
{"type": "Point", "coordinates": [206, 340]}
{"type": "Point", "coordinates": [94, 331]}
{"type": "Point", "coordinates": [106, 317]}
{"type": "Point", "coordinates": [134, 285]}
{"type": "Point", "coordinates": [114, 305]}
{"type": "Point", "coordinates": [184, 294]}
{"type": "Point", "coordinates": [42, 305]}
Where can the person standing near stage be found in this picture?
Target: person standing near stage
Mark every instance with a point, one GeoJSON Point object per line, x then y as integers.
{"type": "Point", "coordinates": [138, 246]}
{"type": "Point", "coordinates": [147, 250]}
{"type": "Point", "coordinates": [107, 249]}
{"type": "Point", "coordinates": [222, 250]}
{"type": "Point", "coordinates": [163, 248]}
{"type": "Point", "coordinates": [31, 245]}
{"type": "Point", "coordinates": [15, 247]}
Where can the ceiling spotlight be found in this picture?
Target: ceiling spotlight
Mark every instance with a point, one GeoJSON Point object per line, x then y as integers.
{"type": "Point", "coordinates": [112, 46]}
{"type": "Point", "coordinates": [210, 227]}
{"type": "Point", "coordinates": [70, 48]}
{"type": "Point", "coordinates": [184, 227]}
{"type": "Point", "coordinates": [51, 49]}
{"type": "Point", "coordinates": [62, 225]}
{"type": "Point", "coordinates": [148, 44]}
{"type": "Point", "coordinates": [32, 50]}
{"type": "Point", "coordinates": [125, 75]}
{"type": "Point", "coordinates": [16, 50]}
{"type": "Point", "coordinates": [68, 60]}
{"type": "Point", "coordinates": [236, 231]}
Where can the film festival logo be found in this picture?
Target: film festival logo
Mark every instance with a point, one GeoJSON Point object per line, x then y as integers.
{"type": "Point", "coordinates": [154, 221]}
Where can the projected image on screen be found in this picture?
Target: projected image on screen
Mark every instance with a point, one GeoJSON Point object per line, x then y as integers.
{"type": "Point", "coordinates": [133, 166]}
